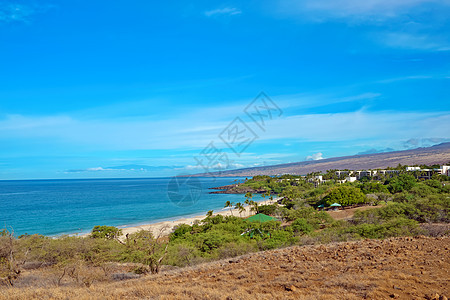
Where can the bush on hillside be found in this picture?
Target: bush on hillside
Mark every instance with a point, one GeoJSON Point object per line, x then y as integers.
{"type": "Point", "coordinates": [345, 195]}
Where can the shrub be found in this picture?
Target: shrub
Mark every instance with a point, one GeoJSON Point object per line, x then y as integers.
{"type": "Point", "coordinates": [182, 254]}
{"type": "Point", "coordinates": [301, 226]}
{"type": "Point", "coordinates": [148, 249]}
{"type": "Point", "coordinates": [267, 209]}
{"type": "Point", "coordinates": [106, 232]}
{"type": "Point", "coordinates": [234, 249]}
{"type": "Point", "coordinates": [423, 190]}
{"type": "Point", "coordinates": [394, 227]}
{"type": "Point", "coordinates": [180, 231]}
{"type": "Point", "coordinates": [278, 238]}
{"type": "Point", "coordinates": [403, 182]}
{"type": "Point", "coordinates": [373, 188]}
{"type": "Point", "coordinates": [315, 218]}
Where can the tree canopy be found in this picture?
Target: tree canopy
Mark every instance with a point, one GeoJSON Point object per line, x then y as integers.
{"type": "Point", "coordinates": [345, 196]}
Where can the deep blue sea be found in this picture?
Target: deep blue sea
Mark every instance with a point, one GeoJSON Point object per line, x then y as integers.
{"type": "Point", "coordinates": [54, 207]}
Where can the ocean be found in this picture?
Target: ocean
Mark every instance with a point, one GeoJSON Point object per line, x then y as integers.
{"type": "Point", "coordinates": [56, 207]}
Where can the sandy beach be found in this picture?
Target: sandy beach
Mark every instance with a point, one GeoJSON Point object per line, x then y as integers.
{"type": "Point", "coordinates": [166, 227]}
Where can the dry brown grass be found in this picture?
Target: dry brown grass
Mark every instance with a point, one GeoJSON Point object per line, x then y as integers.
{"type": "Point", "coordinates": [346, 214]}
{"type": "Point", "coordinates": [402, 268]}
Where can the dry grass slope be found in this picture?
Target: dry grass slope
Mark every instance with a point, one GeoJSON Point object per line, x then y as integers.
{"type": "Point", "coordinates": [402, 268]}
{"type": "Point", "coordinates": [438, 154]}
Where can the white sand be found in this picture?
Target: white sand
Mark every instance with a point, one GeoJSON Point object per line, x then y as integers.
{"type": "Point", "coordinates": [166, 227]}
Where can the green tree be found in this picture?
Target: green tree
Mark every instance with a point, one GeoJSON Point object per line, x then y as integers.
{"type": "Point", "coordinates": [9, 266]}
{"type": "Point", "coordinates": [239, 207]}
{"type": "Point", "coordinates": [301, 226]}
{"type": "Point", "coordinates": [106, 232]}
{"type": "Point", "coordinates": [373, 187]}
{"type": "Point", "coordinates": [267, 209]}
{"type": "Point", "coordinates": [230, 205]}
{"type": "Point", "coordinates": [400, 183]}
{"type": "Point", "coordinates": [147, 248]}
{"type": "Point", "coordinates": [254, 206]}
{"type": "Point", "coordinates": [248, 196]}
{"type": "Point", "coordinates": [345, 195]}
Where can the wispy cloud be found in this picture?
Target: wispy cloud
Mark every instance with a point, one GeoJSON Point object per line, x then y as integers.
{"type": "Point", "coordinates": [358, 125]}
{"type": "Point", "coordinates": [424, 142]}
{"type": "Point", "coordinates": [404, 40]}
{"type": "Point", "coordinates": [316, 100]}
{"type": "Point", "coordinates": [215, 167]}
{"type": "Point", "coordinates": [126, 168]}
{"type": "Point", "coordinates": [175, 133]}
{"type": "Point", "coordinates": [411, 77]}
{"type": "Point", "coordinates": [16, 12]}
{"type": "Point", "coordinates": [10, 12]}
{"type": "Point", "coordinates": [228, 11]}
{"type": "Point", "coordinates": [372, 10]}
{"type": "Point", "coordinates": [374, 150]}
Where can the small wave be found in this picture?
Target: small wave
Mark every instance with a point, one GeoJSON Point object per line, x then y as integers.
{"type": "Point", "coordinates": [18, 193]}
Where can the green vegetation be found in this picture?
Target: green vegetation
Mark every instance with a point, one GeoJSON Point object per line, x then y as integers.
{"type": "Point", "coordinates": [345, 195]}
{"type": "Point", "coordinates": [106, 232]}
{"type": "Point", "coordinates": [404, 203]}
{"type": "Point", "coordinates": [403, 182]}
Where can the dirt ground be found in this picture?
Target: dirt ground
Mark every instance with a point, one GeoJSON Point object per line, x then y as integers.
{"type": "Point", "coordinates": [346, 214]}
{"type": "Point", "coordinates": [396, 268]}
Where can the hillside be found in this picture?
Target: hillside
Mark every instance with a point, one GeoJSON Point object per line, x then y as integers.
{"type": "Point", "coordinates": [400, 268]}
{"type": "Point", "coordinates": [438, 154]}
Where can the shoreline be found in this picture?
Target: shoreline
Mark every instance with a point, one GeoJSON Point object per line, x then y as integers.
{"type": "Point", "coordinates": [164, 228]}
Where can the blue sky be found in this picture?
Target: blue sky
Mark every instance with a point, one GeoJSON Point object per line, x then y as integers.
{"type": "Point", "coordinates": [94, 89]}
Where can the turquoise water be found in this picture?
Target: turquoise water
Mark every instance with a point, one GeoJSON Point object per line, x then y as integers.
{"type": "Point", "coordinates": [53, 207]}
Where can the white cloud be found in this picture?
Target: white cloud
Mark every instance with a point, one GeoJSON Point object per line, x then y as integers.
{"type": "Point", "coordinates": [230, 11]}
{"type": "Point", "coordinates": [316, 100]}
{"type": "Point", "coordinates": [94, 169]}
{"type": "Point", "coordinates": [341, 127]}
{"type": "Point", "coordinates": [404, 40]}
{"type": "Point", "coordinates": [315, 156]}
{"type": "Point", "coordinates": [375, 10]}
{"type": "Point", "coordinates": [412, 77]}
{"type": "Point", "coordinates": [216, 167]}
{"type": "Point", "coordinates": [195, 130]}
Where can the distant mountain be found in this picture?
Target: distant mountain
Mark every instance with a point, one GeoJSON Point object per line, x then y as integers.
{"type": "Point", "coordinates": [438, 154]}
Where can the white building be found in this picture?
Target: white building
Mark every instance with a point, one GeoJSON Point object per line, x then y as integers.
{"type": "Point", "coordinates": [445, 170]}
{"type": "Point", "coordinates": [412, 168]}
{"type": "Point", "coordinates": [350, 179]}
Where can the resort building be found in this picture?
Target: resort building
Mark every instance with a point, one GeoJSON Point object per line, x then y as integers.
{"type": "Point", "coordinates": [352, 176]}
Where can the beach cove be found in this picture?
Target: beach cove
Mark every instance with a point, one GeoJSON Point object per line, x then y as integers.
{"type": "Point", "coordinates": [166, 227]}
{"type": "Point", "coordinates": [74, 207]}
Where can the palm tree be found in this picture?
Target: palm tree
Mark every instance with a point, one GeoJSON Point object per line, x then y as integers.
{"type": "Point", "coordinates": [247, 202]}
{"type": "Point", "coordinates": [239, 207]}
{"type": "Point", "coordinates": [209, 214]}
{"type": "Point", "coordinates": [267, 194]}
{"type": "Point", "coordinates": [230, 205]}
{"type": "Point", "coordinates": [249, 195]}
{"type": "Point", "coordinates": [254, 205]}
